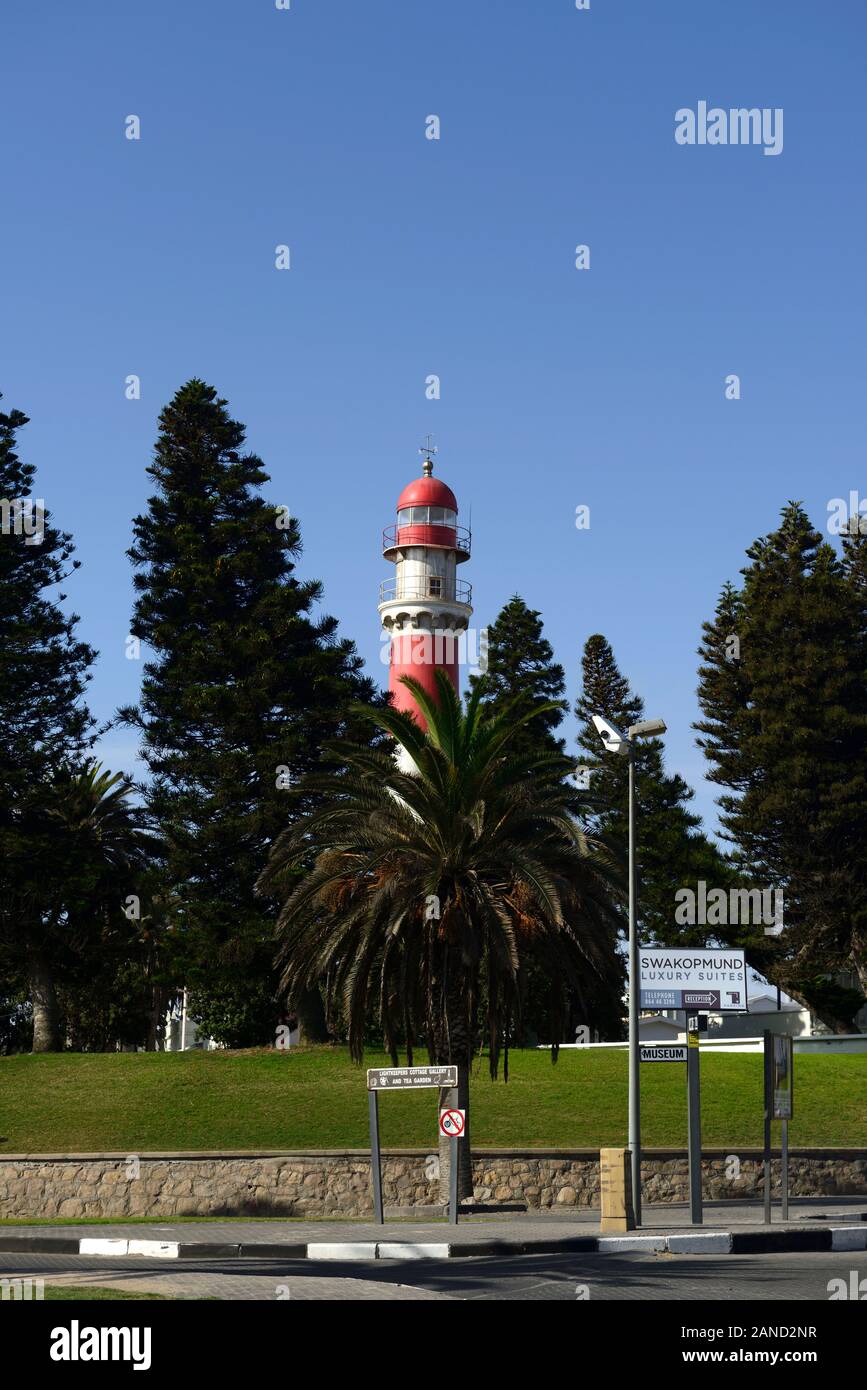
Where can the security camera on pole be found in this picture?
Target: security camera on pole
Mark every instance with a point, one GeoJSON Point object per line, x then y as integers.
{"type": "Point", "coordinates": [623, 745]}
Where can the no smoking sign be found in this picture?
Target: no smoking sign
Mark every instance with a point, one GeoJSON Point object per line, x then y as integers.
{"type": "Point", "coordinates": [453, 1123]}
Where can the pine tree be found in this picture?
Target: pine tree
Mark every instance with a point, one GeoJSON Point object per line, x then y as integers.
{"type": "Point", "coordinates": [243, 686]}
{"type": "Point", "coordinates": [855, 570]}
{"type": "Point", "coordinates": [521, 674]}
{"type": "Point", "coordinates": [785, 731]}
{"type": "Point", "coordinates": [673, 852]}
{"type": "Point", "coordinates": [724, 693]}
{"type": "Point", "coordinates": [44, 670]}
{"type": "Point", "coordinates": [855, 559]}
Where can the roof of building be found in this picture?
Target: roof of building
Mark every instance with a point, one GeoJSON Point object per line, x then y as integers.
{"type": "Point", "coordinates": [765, 1001]}
{"type": "Point", "coordinates": [427, 492]}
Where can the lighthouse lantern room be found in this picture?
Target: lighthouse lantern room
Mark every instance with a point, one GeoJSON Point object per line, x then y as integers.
{"type": "Point", "coordinates": [424, 607]}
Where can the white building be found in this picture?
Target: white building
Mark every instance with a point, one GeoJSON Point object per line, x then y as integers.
{"type": "Point", "coordinates": [181, 1034]}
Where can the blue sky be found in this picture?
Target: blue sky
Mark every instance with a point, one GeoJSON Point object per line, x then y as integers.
{"type": "Point", "coordinates": [455, 257]}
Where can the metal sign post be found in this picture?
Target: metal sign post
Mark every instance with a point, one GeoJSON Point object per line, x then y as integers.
{"type": "Point", "coordinates": [783, 1079]}
{"type": "Point", "coordinates": [693, 1101]}
{"type": "Point", "coordinates": [375, 1158]}
{"type": "Point", "coordinates": [779, 1105]}
{"type": "Point", "coordinates": [453, 1124]}
{"type": "Point", "coordinates": [784, 1175]}
{"type": "Point", "coordinates": [687, 978]}
{"type": "Point", "coordinates": [768, 1108]}
{"type": "Point", "coordinates": [407, 1079]}
{"type": "Point", "coordinates": [453, 1180]}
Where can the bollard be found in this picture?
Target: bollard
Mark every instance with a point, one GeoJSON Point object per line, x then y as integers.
{"type": "Point", "coordinates": [615, 1185]}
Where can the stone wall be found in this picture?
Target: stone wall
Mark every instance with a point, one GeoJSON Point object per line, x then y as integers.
{"type": "Point", "coordinates": [338, 1183]}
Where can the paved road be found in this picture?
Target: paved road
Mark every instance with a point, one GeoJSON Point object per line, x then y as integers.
{"type": "Point", "coordinates": [752, 1278]}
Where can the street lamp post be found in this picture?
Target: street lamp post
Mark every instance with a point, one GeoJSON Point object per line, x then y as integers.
{"type": "Point", "coordinates": [621, 744]}
{"type": "Point", "coordinates": [634, 1139]}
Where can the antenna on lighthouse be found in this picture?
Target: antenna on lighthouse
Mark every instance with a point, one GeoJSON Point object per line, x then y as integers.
{"type": "Point", "coordinates": [428, 450]}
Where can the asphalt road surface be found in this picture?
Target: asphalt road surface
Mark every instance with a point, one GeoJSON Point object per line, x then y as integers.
{"type": "Point", "coordinates": [610, 1278]}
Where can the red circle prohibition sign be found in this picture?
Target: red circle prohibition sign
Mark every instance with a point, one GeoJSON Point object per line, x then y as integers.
{"type": "Point", "coordinates": [452, 1122]}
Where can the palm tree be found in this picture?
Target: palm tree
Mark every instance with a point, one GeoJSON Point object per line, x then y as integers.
{"type": "Point", "coordinates": [85, 845]}
{"type": "Point", "coordinates": [427, 889]}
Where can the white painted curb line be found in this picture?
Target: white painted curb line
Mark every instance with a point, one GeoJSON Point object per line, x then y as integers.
{"type": "Point", "coordinates": [397, 1250]}
{"type": "Point", "coordinates": [615, 1245]}
{"type": "Point", "coordinates": [700, 1243]}
{"type": "Point", "coordinates": [151, 1249]}
{"type": "Point", "coordinates": [93, 1245]}
{"type": "Point", "coordinates": [849, 1237]}
{"type": "Point", "coordinates": [359, 1250]}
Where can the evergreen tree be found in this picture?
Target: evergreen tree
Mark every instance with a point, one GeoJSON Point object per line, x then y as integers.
{"type": "Point", "coordinates": [855, 569]}
{"type": "Point", "coordinates": [673, 852]}
{"type": "Point", "coordinates": [44, 669]}
{"type": "Point", "coordinates": [43, 666]}
{"type": "Point", "coordinates": [785, 732]}
{"type": "Point", "coordinates": [243, 686]}
{"type": "Point", "coordinates": [522, 675]}
{"type": "Point", "coordinates": [855, 560]}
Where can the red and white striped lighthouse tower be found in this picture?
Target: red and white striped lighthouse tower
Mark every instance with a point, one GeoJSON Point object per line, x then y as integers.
{"type": "Point", "coordinates": [425, 607]}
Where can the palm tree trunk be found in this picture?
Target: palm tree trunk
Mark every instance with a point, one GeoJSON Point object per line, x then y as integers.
{"type": "Point", "coordinates": [859, 957]}
{"type": "Point", "coordinates": [43, 998]}
{"type": "Point", "coordinates": [457, 1052]}
{"type": "Point", "coordinates": [312, 1026]}
{"type": "Point", "coordinates": [156, 1016]}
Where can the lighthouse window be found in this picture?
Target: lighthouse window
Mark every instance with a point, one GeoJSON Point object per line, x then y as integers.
{"type": "Point", "coordinates": [436, 586]}
{"type": "Point", "coordinates": [426, 516]}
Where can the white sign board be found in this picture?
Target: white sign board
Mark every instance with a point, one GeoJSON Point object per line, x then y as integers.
{"type": "Point", "coordinates": [663, 1052]}
{"type": "Point", "coordinates": [675, 977]}
{"type": "Point", "coordinates": [408, 1078]}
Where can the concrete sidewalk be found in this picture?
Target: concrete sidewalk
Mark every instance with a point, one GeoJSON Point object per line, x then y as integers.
{"type": "Point", "coordinates": [729, 1227]}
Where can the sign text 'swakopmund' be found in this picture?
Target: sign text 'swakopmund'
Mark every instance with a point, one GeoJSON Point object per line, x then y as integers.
{"type": "Point", "coordinates": [692, 978]}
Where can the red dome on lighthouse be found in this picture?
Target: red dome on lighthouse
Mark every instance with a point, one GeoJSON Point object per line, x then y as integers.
{"type": "Point", "coordinates": [427, 492]}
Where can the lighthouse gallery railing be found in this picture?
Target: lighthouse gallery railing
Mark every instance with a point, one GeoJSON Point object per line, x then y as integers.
{"type": "Point", "coordinates": [449, 591]}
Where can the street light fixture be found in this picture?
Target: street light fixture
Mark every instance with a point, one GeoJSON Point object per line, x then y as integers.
{"type": "Point", "coordinates": [620, 744]}
{"type": "Point", "coordinates": [648, 728]}
{"type": "Point", "coordinates": [611, 736]}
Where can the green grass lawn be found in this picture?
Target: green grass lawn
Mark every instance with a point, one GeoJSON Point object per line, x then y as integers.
{"type": "Point", "coordinates": [316, 1099]}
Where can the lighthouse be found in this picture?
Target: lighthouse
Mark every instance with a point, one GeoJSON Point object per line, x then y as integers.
{"type": "Point", "coordinates": [424, 608]}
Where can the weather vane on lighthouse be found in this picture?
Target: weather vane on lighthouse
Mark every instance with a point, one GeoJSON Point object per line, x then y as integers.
{"type": "Point", "coordinates": [428, 452]}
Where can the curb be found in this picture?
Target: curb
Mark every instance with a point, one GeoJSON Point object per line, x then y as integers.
{"type": "Point", "coordinates": [834, 1238]}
